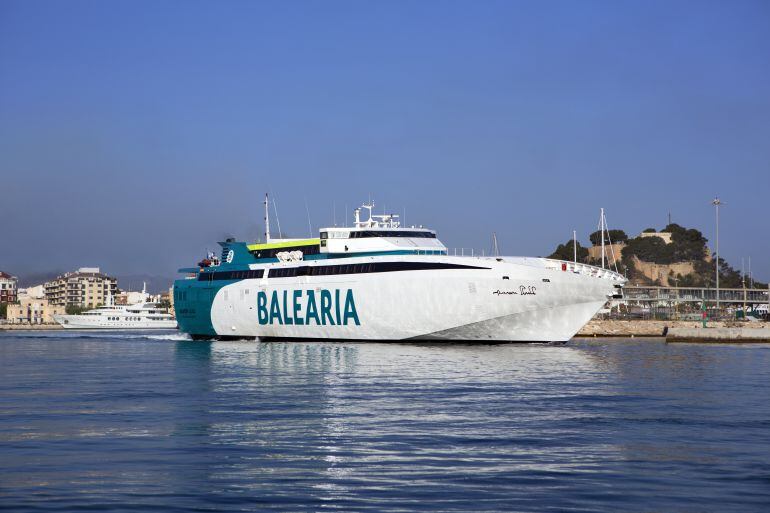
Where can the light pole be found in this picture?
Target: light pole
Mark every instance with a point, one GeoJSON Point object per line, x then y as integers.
{"type": "Point", "coordinates": [716, 204]}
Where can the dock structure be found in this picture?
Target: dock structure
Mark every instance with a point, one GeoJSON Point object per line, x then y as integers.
{"type": "Point", "coordinates": [642, 295]}
{"type": "Point", "coordinates": [720, 335]}
{"type": "Point", "coordinates": [673, 302]}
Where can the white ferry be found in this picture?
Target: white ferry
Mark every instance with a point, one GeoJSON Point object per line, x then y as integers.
{"type": "Point", "coordinates": [140, 316]}
{"type": "Point", "coordinates": [377, 281]}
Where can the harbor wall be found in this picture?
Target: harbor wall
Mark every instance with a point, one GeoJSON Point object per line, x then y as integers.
{"type": "Point", "coordinates": [21, 327]}
{"type": "Point", "coordinates": [735, 334]}
{"type": "Point", "coordinates": [653, 328]}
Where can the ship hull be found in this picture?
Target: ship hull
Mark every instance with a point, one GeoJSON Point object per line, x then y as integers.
{"type": "Point", "coordinates": [78, 322]}
{"type": "Point", "coordinates": [482, 299]}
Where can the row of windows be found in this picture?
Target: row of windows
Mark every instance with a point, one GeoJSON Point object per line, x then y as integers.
{"type": "Point", "coordinates": [386, 233]}
{"type": "Point", "coordinates": [375, 267]}
{"type": "Point", "coordinates": [231, 275]}
{"type": "Point", "coordinates": [392, 233]}
{"type": "Point", "coordinates": [134, 318]}
{"type": "Point", "coordinates": [325, 270]}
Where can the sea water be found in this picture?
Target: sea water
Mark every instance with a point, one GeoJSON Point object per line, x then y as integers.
{"type": "Point", "coordinates": [155, 422]}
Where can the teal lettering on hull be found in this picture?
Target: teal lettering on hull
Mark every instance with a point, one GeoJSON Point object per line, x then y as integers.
{"type": "Point", "coordinates": [305, 312]}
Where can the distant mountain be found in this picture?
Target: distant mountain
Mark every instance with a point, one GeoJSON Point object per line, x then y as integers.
{"type": "Point", "coordinates": [31, 280]}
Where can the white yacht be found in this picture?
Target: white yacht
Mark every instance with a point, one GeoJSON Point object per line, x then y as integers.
{"type": "Point", "coordinates": [378, 280]}
{"type": "Point", "coordinates": [140, 316]}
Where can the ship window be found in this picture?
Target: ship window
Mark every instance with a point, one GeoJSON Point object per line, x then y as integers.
{"type": "Point", "coordinates": [324, 235]}
{"type": "Point", "coordinates": [392, 233]}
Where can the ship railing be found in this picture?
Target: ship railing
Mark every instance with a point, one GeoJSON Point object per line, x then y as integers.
{"type": "Point", "coordinates": [584, 269]}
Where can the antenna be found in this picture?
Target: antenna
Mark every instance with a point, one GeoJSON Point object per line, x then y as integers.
{"type": "Point", "coordinates": [495, 249]}
{"type": "Point", "coordinates": [309, 226]}
{"type": "Point", "coordinates": [267, 220]}
{"type": "Point", "coordinates": [334, 213]}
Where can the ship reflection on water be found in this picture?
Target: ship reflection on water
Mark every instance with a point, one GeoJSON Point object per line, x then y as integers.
{"type": "Point", "coordinates": [455, 424]}
{"type": "Point", "coordinates": [592, 425]}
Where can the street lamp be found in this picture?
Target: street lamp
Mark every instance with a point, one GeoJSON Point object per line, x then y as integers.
{"type": "Point", "coordinates": [716, 204]}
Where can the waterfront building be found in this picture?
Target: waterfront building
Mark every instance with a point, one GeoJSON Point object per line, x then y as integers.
{"type": "Point", "coordinates": [133, 297]}
{"type": "Point", "coordinates": [31, 310]}
{"type": "Point", "coordinates": [8, 288]}
{"type": "Point", "coordinates": [87, 287]}
{"type": "Point", "coordinates": [36, 292]}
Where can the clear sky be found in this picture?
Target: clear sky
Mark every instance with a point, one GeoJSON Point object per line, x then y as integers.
{"type": "Point", "coordinates": [134, 135]}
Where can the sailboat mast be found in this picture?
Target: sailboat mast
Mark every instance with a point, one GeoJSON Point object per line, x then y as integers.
{"type": "Point", "coordinates": [267, 220]}
{"type": "Point", "coordinates": [602, 228]}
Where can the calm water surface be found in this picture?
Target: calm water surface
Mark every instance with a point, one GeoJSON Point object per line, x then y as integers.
{"type": "Point", "coordinates": [129, 422]}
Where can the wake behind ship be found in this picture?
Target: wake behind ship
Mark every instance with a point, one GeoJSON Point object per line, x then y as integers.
{"type": "Point", "coordinates": [378, 280]}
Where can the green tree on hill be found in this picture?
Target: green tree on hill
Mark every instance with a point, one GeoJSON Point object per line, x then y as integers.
{"type": "Point", "coordinates": [688, 244]}
{"type": "Point", "coordinates": [566, 252]}
{"type": "Point", "coordinates": [614, 236]}
{"type": "Point", "coordinates": [649, 249]}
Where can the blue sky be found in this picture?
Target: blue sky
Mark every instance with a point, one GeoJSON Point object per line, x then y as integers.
{"type": "Point", "coordinates": [133, 135]}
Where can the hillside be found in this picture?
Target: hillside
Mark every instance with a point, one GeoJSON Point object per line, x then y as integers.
{"type": "Point", "coordinates": [674, 256]}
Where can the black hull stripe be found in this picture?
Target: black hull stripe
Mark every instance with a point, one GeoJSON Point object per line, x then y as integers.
{"type": "Point", "coordinates": [368, 268]}
{"type": "Point", "coordinates": [331, 270]}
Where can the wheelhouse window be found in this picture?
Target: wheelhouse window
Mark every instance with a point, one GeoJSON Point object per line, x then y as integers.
{"type": "Point", "coordinates": [392, 233]}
